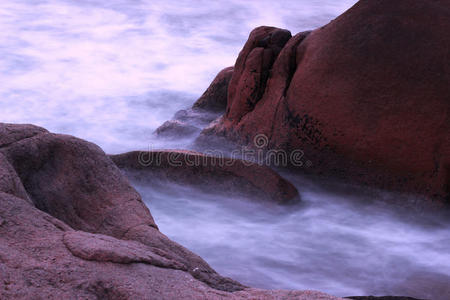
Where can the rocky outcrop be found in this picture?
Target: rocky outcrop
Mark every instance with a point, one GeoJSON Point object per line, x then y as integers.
{"type": "Point", "coordinates": [252, 70]}
{"type": "Point", "coordinates": [189, 122]}
{"type": "Point", "coordinates": [103, 248]}
{"type": "Point", "coordinates": [76, 184]}
{"type": "Point", "coordinates": [71, 227]}
{"type": "Point", "coordinates": [366, 97]}
{"type": "Point", "coordinates": [222, 175]}
{"type": "Point", "coordinates": [35, 263]}
{"type": "Point", "coordinates": [176, 129]}
{"type": "Point", "coordinates": [215, 97]}
{"type": "Point", "coordinates": [64, 177]}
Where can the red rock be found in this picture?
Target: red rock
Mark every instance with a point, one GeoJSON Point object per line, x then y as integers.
{"type": "Point", "coordinates": [71, 227]}
{"type": "Point", "coordinates": [188, 122]}
{"type": "Point", "coordinates": [223, 175]}
{"type": "Point", "coordinates": [176, 129]}
{"type": "Point", "coordinates": [78, 185]}
{"type": "Point", "coordinates": [215, 97]}
{"type": "Point", "coordinates": [97, 247]}
{"type": "Point", "coordinates": [366, 97]}
{"type": "Point", "coordinates": [35, 263]}
{"type": "Point", "coordinates": [252, 69]}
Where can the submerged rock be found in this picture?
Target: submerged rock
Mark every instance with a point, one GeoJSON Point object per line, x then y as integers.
{"type": "Point", "coordinates": [189, 122]}
{"type": "Point", "coordinates": [176, 129]}
{"type": "Point", "coordinates": [366, 97]}
{"type": "Point", "coordinates": [209, 173]}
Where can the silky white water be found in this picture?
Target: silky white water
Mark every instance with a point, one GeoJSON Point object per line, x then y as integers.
{"type": "Point", "coordinates": [338, 240]}
{"type": "Point", "coordinates": [112, 71]}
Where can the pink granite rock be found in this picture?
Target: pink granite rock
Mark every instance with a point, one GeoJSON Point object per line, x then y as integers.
{"type": "Point", "coordinates": [71, 227]}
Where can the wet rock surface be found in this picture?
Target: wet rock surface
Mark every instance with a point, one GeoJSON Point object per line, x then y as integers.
{"type": "Point", "coordinates": [208, 173]}
{"type": "Point", "coordinates": [189, 122]}
{"type": "Point", "coordinates": [176, 129]}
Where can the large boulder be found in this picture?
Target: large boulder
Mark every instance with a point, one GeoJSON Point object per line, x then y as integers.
{"type": "Point", "coordinates": [252, 70]}
{"type": "Point", "coordinates": [71, 227]}
{"type": "Point", "coordinates": [366, 97]}
{"type": "Point", "coordinates": [74, 182]}
{"type": "Point", "coordinates": [210, 173]}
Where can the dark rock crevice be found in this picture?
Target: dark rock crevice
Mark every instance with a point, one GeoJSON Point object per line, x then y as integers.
{"type": "Point", "coordinates": [252, 70]}
{"type": "Point", "coordinates": [295, 57]}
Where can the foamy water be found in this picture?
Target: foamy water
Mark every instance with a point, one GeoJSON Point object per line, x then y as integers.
{"type": "Point", "coordinates": [112, 71]}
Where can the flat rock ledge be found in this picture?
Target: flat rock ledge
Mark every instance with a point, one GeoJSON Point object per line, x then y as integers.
{"type": "Point", "coordinates": [207, 172]}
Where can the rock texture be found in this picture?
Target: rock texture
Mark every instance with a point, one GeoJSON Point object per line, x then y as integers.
{"type": "Point", "coordinates": [176, 129]}
{"type": "Point", "coordinates": [252, 70]}
{"type": "Point", "coordinates": [71, 227]}
{"type": "Point", "coordinates": [215, 97]}
{"type": "Point", "coordinates": [223, 175]}
{"type": "Point", "coordinates": [98, 247]}
{"type": "Point", "coordinates": [189, 122]}
{"type": "Point", "coordinates": [77, 184]}
{"type": "Point", "coordinates": [366, 97]}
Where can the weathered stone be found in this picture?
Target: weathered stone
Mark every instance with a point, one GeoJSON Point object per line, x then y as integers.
{"type": "Point", "coordinates": [215, 97]}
